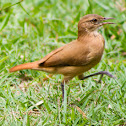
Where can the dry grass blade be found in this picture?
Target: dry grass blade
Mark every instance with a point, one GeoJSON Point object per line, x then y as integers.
{"type": "Point", "coordinates": [81, 112]}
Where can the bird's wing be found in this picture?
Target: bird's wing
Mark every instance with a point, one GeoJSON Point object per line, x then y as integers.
{"type": "Point", "coordinates": [72, 54]}
{"type": "Point", "coordinates": [51, 54]}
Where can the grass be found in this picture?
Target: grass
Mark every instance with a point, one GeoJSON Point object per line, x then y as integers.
{"type": "Point", "coordinates": [30, 30]}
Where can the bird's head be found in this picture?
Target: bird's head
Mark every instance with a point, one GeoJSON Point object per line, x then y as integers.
{"type": "Point", "coordinates": [91, 22]}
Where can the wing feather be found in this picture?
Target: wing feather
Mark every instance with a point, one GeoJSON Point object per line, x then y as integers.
{"type": "Point", "coordinates": [71, 54]}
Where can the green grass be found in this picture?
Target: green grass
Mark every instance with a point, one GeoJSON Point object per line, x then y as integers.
{"type": "Point", "coordinates": [32, 29]}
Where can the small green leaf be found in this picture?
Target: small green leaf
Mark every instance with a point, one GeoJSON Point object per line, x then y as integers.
{"type": "Point", "coordinates": [3, 59]}
{"type": "Point", "coordinates": [47, 107]}
{"type": "Point", "coordinates": [28, 120]}
{"type": "Point", "coordinates": [5, 21]}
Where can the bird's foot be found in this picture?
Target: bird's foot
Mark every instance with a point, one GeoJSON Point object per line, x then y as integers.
{"type": "Point", "coordinates": [99, 73]}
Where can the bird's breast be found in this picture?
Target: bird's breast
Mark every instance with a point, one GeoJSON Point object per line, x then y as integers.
{"type": "Point", "coordinates": [96, 48]}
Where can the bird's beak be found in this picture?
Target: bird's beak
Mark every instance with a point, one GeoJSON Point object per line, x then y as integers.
{"type": "Point", "coordinates": [104, 19]}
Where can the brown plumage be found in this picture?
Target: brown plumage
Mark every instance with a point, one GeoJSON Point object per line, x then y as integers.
{"type": "Point", "coordinates": [76, 57]}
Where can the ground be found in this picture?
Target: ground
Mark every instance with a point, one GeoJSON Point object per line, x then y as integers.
{"type": "Point", "coordinates": [29, 30]}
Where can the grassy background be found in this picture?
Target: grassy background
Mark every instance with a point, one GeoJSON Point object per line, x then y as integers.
{"type": "Point", "coordinates": [32, 29]}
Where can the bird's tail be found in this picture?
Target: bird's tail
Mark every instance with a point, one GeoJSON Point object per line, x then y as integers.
{"type": "Point", "coordinates": [32, 65]}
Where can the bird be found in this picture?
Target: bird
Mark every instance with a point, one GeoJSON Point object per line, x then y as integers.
{"type": "Point", "coordinates": [76, 57]}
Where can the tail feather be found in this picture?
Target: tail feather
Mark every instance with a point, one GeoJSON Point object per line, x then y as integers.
{"type": "Point", "coordinates": [32, 65]}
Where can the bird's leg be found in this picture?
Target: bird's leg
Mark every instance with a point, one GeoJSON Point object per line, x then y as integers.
{"type": "Point", "coordinates": [65, 81]}
{"type": "Point", "coordinates": [99, 73]}
{"type": "Point", "coordinates": [62, 88]}
{"type": "Point", "coordinates": [100, 78]}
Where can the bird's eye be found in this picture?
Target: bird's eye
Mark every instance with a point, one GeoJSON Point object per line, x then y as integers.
{"type": "Point", "coordinates": [94, 20]}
